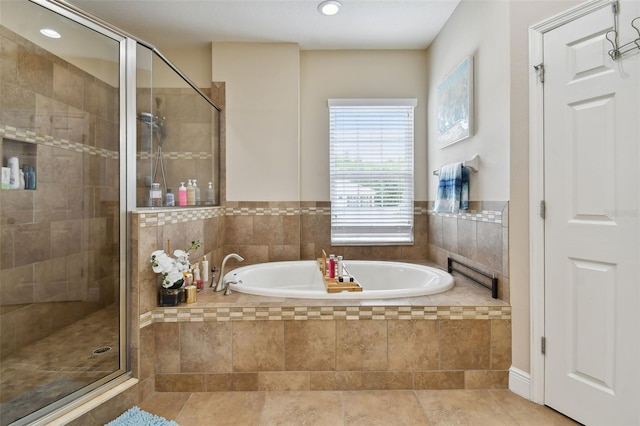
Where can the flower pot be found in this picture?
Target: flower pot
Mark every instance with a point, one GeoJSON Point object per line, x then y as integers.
{"type": "Point", "coordinates": [170, 297]}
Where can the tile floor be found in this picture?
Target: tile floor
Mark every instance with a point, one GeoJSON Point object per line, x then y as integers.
{"type": "Point", "coordinates": [59, 364]}
{"type": "Point", "coordinates": [370, 408]}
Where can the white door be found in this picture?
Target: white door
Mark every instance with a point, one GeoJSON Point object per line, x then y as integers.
{"type": "Point", "coordinates": [591, 181]}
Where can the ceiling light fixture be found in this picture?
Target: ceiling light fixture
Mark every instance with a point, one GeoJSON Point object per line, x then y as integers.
{"type": "Point", "coordinates": [48, 32]}
{"type": "Point", "coordinates": [329, 7]}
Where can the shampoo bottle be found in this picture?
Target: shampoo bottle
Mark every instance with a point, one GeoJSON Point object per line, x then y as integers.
{"type": "Point", "coordinates": [211, 196]}
{"type": "Point", "coordinates": [32, 178]}
{"type": "Point", "coordinates": [191, 194]}
{"type": "Point", "coordinates": [205, 269]}
{"type": "Point", "coordinates": [195, 187]}
{"type": "Point", "coordinates": [182, 195]}
{"type": "Point", "coordinates": [25, 173]}
{"type": "Point", "coordinates": [169, 198]}
{"type": "Point", "coordinates": [14, 166]}
{"type": "Point", "coordinates": [332, 266]}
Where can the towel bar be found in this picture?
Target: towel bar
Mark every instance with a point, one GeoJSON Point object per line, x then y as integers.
{"type": "Point", "coordinates": [494, 280]}
{"type": "Point", "coordinates": [472, 164]}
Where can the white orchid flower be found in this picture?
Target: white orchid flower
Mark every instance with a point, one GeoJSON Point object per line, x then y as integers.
{"type": "Point", "coordinates": [171, 269]}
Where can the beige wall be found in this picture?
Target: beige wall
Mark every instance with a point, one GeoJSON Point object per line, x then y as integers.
{"type": "Point", "coordinates": [262, 110]}
{"type": "Point", "coordinates": [480, 29]}
{"type": "Point", "coordinates": [198, 59]}
{"type": "Point", "coordinates": [523, 14]}
{"type": "Point", "coordinates": [356, 74]}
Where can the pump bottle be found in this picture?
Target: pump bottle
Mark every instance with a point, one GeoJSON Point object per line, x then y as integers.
{"type": "Point", "coordinates": [182, 195]}
{"type": "Point", "coordinates": [191, 194]}
{"type": "Point", "coordinates": [211, 197]}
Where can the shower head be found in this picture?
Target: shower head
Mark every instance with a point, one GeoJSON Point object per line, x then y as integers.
{"type": "Point", "coordinates": [146, 118]}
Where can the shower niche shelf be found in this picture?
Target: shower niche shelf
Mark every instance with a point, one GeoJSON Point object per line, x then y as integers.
{"type": "Point", "coordinates": [27, 153]}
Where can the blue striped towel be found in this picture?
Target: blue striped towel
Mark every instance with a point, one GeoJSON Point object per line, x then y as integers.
{"type": "Point", "coordinates": [453, 189]}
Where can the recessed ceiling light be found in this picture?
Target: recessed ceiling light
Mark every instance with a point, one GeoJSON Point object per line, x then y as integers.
{"type": "Point", "coordinates": [48, 32]}
{"type": "Point", "coordinates": [329, 7]}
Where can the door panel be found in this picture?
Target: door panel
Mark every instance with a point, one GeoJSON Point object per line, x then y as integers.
{"type": "Point", "coordinates": [591, 227]}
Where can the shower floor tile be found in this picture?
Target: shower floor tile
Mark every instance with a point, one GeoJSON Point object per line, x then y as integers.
{"type": "Point", "coordinates": [58, 365]}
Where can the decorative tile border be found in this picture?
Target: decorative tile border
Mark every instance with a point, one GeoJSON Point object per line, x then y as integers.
{"type": "Point", "coordinates": [262, 211]}
{"type": "Point", "coordinates": [303, 313]}
{"type": "Point", "coordinates": [31, 137]}
{"type": "Point", "coordinates": [146, 319]}
{"type": "Point", "coordinates": [159, 217]}
{"type": "Point", "coordinates": [480, 216]}
{"type": "Point", "coordinates": [172, 155]}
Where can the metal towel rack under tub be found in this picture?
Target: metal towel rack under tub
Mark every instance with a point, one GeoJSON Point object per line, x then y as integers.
{"type": "Point", "coordinates": [473, 164]}
{"type": "Point", "coordinates": [494, 280]}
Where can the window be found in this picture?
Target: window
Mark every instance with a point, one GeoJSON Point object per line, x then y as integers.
{"type": "Point", "coordinates": [371, 171]}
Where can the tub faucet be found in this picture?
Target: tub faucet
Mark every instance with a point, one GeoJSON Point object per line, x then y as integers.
{"type": "Point", "coordinates": [221, 284]}
{"type": "Point", "coordinates": [227, 291]}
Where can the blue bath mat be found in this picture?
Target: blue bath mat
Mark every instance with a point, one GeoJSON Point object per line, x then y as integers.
{"type": "Point", "coordinates": [137, 417]}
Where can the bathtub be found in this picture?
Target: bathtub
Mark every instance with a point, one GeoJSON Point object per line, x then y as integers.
{"type": "Point", "coordinates": [303, 279]}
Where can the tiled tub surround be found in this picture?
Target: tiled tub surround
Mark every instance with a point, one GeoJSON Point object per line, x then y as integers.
{"type": "Point", "coordinates": [273, 231]}
{"type": "Point", "coordinates": [55, 239]}
{"type": "Point", "coordinates": [459, 339]}
{"type": "Point", "coordinates": [478, 237]}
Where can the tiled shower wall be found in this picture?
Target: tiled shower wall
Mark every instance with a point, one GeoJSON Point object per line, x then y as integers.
{"type": "Point", "coordinates": [188, 145]}
{"type": "Point", "coordinates": [55, 239]}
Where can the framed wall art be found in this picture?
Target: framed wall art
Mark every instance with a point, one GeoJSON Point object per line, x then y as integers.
{"type": "Point", "coordinates": [455, 104]}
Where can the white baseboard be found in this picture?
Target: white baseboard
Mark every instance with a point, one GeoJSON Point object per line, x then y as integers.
{"type": "Point", "coordinates": [520, 382]}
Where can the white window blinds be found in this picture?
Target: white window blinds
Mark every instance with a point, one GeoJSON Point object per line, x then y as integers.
{"type": "Point", "coordinates": [371, 171]}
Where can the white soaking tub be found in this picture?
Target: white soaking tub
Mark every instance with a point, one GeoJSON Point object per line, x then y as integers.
{"type": "Point", "coordinates": [303, 279]}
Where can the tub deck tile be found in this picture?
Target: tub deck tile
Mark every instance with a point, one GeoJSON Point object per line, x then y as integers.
{"type": "Point", "coordinates": [465, 301]}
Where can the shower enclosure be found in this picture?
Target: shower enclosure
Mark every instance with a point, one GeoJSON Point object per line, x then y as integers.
{"type": "Point", "coordinates": [178, 132]}
{"type": "Point", "coordinates": [95, 116]}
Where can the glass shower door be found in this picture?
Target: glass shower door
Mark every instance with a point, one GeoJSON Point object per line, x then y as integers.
{"type": "Point", "coordinates": [62, 263]}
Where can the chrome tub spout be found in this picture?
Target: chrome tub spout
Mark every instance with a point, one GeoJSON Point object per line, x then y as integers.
{"type": "Point", "coordinates": [221, 284]}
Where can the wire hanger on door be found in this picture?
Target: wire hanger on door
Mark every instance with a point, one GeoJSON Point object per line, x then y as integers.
{"type": "Point", "coordinates": [619, 51]}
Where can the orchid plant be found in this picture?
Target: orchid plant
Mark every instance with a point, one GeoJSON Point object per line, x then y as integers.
{"type": "Point", "coordinates": [172, 269]}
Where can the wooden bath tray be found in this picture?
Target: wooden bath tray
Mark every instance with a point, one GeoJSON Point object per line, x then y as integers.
{"type": "Point", "coordinates": [332, 284]}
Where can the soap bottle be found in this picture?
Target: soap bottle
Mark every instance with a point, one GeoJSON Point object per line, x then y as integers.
{"type": "Point", "coordinates": [14, 166]}
{"type": "Point", "coordinates": [339, 267]}
{"type": "Point", "coordinates": [169, 198]}
{"type": "Point", "coordinates": [205, 269]}
{"type": "Point", "coordinates": [191, 194]}
{"type": "Point", "coordinates": [211, 196]}
{"type": "Point", "coordinates": [156, 195]}
{"type": "Point", "coordinates": [182, 195]}
{"type": "Point", "coordinates": [332, 266]}
{"type": "Point", "coordinates": [195, 187]}
{"type": "Point", "coordinates": [32, 178]}
{"type": "Point", "coordinates": [25, 174]}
